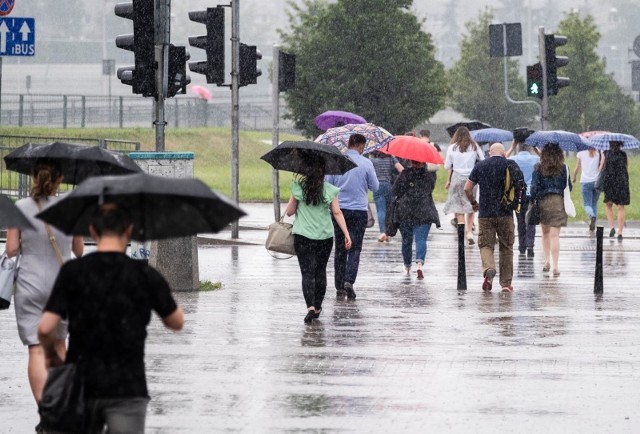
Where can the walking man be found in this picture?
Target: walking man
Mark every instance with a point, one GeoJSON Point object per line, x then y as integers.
{"type": "Point", "coordinates": [108, 298]}
{"type": "Point", "coordinates": [494, 220]}
{"type": "Point", "coordinates": [354, 186]}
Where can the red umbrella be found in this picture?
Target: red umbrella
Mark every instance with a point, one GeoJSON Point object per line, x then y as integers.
{"type": "Point", "coordinates": [412, 148]}
{"type": "Point", "coordinates": [202, 92]}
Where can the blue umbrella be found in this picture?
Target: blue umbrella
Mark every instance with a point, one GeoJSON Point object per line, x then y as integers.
{"type": "Point", "coordinates": [491, 135]}
{"type": "Point", "coordinates": [601, 141]}
{"type": "Point", "coordinates": [568, 141]}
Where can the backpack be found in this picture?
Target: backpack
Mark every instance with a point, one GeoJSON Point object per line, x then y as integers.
{"type": "Point", "coordinates": [514, 188]}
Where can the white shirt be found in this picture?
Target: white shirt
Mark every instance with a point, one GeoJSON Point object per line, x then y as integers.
{"type": "Point", "coordinates": [462, 162]}
{"type": "Point", "coordinates": [590, 166]}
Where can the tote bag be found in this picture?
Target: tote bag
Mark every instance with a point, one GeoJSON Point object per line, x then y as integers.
{"type": "Point", "coordinates": [280, 238]}
{"type": "Point", "coordinates": [62, 407]}
{"type": "Point", "coordinates": [569, 207]}
{"type": "Point", "coordinates": [8, 270]}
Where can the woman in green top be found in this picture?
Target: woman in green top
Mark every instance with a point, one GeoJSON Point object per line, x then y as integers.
{"type": "Point", "coordinates": [313, 201]}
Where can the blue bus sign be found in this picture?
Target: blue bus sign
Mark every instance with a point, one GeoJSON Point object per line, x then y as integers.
{"type": "Point", "coordinates": [17, 36]}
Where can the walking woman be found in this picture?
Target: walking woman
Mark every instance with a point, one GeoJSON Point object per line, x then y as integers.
{"type": "Point", "coordinates": [415, 212]}
{"type": "Point", "coordinates": [616, 185]}
{"type": "Point", "coordinates": [590, 162]}
{"type": "Point", "coordinates": [313, 201]}
{"type": "Point", "coordinates": [42, 255]}
{"type": "Point", "coordinates": [386, 167]}
{"type": "Point", "coordinates": [547, 187]}
{"type": "Point", "coordinates": [462, 155]}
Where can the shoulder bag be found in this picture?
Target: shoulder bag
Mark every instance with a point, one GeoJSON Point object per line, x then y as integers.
{"type": "Point", "coordinates": [569, 207]}
{"type": "Point", "coordinates": [532, 216]}
{"type": "Point", "coordinates": [280, 238]}
{"type": "Point", "coordinates": [52, 239]}
{"type": "Point", "coordinates": [62, 407]}
{"type": "Point", "coordinates": [8, 276]}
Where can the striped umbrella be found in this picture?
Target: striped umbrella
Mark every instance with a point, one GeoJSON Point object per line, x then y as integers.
{"type": "Point", "coordinates": [601, 141]}
{"type": "Point", "coordinates": [376, 136]}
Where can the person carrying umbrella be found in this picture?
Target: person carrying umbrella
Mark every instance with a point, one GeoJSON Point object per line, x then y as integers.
{"type": "Point", "coordinates": [43, 250]}
{"type": "Point", "coordinates": [353, 197]}
{"type": "Point", "coordinates": [616, 185]}
{"type": "Point", "coordinates": [108, 298]}
{"type": "Point", "coordinates": [314, 201]}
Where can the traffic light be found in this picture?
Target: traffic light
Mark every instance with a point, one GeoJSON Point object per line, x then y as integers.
{"type": "Point", "coordinates": [177, 71]}
{"type": "Point", "coordinates": [286, 71]}
{"type": "Point", "coordinates": [212, 43]}
{"type": "Point", "coordinates": [534, 80]}
{"type": "Point", "coordinates": [554, 83]}
{"type": "Point", "coordinates": [142, 76]}
{"type": "Point", "coordinates": [249, 71]}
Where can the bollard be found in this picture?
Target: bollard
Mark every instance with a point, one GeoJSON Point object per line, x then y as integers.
{"type": "Point", "coordinates": [598, 287]}
{"type": "Point", "coordinates": [462, 270]}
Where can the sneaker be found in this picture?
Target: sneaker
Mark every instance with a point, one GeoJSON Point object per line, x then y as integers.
{"type": "Point", "coordinates": [341, 293]}
{"type": "Point", "coordinates": [382, 238]}
{"type": "Point", "coordinates": [619, 237]}
{"type": "Point", "coordinates": [592, 224]}
{"type": "Point", "coordinates": [530, 253]}
{"type": "Point", "coordinates": [507, 288]}
{"type": "Point", "coordinates": [348, 287]}
{"type": "Point", "coordinates": [420, 274]}
{"type": "Point", "coordinates": [612, 233]}
{"type": "Point", "coordinates": [470, 240]}
{"type": "Point", "coordinates": [488, 279]}
{"type": "Point", "coordinates": [522, 250]}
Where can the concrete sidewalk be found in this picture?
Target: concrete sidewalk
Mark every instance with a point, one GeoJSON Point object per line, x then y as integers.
{"type": "Point", "coordinates": [406, 356]}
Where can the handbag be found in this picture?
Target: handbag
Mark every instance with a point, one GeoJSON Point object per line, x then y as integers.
{"type": "Point", "coordinates": [62, 407]}
{"type": "Point", "coordinates": [532, 216]}
{"type": "Point", "coordinates": [569, 207]}
{"type": "Point", "coordinates": [370, 220]}
{"type": "Point", "coordinates": [391, 223]}
{"type": "Point", "coordinates": [280, 238]}
{"type": "Point", "coordinates": [8, 276]}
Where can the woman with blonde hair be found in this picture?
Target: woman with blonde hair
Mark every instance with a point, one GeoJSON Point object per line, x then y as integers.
{"type": "Point", "coordinates": [462, 154]}
{"type": "Point", "coordinates": [42, 250]}
{"type": "Point", "coordinates": [550, 178]}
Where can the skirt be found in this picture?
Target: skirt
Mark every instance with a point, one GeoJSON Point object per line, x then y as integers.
{"type": "Point", "coordinates": [457, 201]}
{"type": "Point", "coordinates": [552, 211]}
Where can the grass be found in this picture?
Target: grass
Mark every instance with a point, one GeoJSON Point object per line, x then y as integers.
{"type": "Point", "coordinates": [212, 148]}
{"type": "Point", "coordinates": [207, 285]}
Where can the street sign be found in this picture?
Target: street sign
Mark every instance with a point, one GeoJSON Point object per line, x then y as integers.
{"type": "Point", "coordinates": [497, 39]}
{"type": "Point", "coordinates": [6, 6]}
{"type": "Point", "coordinates": [17, 36]}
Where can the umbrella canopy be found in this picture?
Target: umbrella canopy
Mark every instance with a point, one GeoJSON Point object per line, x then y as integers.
{"type": "Point", "coordinates": [601, 141]}
{"type": "Point", "coordinates": [568, 141]}
{"type": "Point", "coordinates": [376, 136]}
{"type": "Point", "coordinates": [412, 148]}
{"type": "Point", "coordinates": [491, 135]}
{"type": "Point", "coordinates": [11, 216]}
{"type": "Point", "coordinates": [303, 156]}
{"type": "Point", "coordinates": [471, 125]}
{"type": "Point", "coordinates": [334, 118]}
{"type": "Point", "coordinates": [201, 91]}
{"type": "Point", "coordinates": [160, 207]}
{"type": "Point", "coordinates": [589, 134]}
{"type": "Point", "coordinates": [78, 162]}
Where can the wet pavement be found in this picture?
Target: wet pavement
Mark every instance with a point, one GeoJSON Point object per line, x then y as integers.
{"type": "Point", "coordinates": [405, 356]}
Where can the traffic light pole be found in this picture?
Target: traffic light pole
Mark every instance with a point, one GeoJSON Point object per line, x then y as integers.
{"type": "Point", "coordinates": [544, 117]}
{"type": "Point", "coordinates": [162, 40]}
{"type": "Point", "coordinates": [275, 135]}
{"type": "Point", "coordinates": [235, 107]}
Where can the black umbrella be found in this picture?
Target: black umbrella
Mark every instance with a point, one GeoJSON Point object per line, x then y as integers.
{"type": "Point", "coordinates": [11, 216]}
{"type": "Point", "coordinates": [78, 162]}
{"type": "Point", "coordinates": [160, 207]}
{"type": "Point", "coordinates": [302, 156]}
{"type": "Point", "coordinates": [471, 125]}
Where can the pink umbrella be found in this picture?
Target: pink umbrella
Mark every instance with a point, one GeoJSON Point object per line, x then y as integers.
{"type": "Point", "coordinates": [588, 134]}
{"type": "Point", "coordinates": [202, 92]}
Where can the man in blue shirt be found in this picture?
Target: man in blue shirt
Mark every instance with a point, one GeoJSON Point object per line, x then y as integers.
{"type": "Point", "coordinates": [354, 199]}
{"type": "Point", "coordinates": [493, 219]}
{"type": "Point", "coordinates": [526, 161]}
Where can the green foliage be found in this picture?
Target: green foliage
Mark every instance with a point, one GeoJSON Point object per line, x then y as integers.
{"type": "Point", "coordinates": [593, 100]}
{"type": "Point", "coordinates": [477, 82]}
{"type": "Point", "coordinates": [207, 285]}
{"type": "Point", "coordinates": [365, 56]}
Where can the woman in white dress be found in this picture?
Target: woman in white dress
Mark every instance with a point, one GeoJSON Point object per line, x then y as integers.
{"type": "Point", "coordinates": [462, 155]}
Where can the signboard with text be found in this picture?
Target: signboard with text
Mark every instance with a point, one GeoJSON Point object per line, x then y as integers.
{"type": "Point", "coordinates": [17, 36]}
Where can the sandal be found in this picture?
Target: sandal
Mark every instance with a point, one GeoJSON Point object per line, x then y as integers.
{"type": "Point", "coordinates": [546, 267]}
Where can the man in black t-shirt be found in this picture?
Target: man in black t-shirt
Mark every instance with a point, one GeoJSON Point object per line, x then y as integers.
{"type": "Point", "coordinates": [108, 298]}
{"type": "Point", "coordinates": [493, 219]}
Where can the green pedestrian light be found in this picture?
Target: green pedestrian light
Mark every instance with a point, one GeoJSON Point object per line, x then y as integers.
{"type": "Point", "coordinates": [534, 80]}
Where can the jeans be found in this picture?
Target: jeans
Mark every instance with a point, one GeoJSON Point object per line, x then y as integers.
{"type": "Point", "coordinates": [590, 198]}
{"type": "Point", "coordinates": [346, 262]}
{"type": "Point", "coordinates": [409, 233]}
{"type": "Point", "coordinates": [120, 415]}
{"type": "Point", "coordinates": [526, 233]}
{"type": "Point", "coordinates": [503, 227]}
{"type": "Point", "coordinates": [381, 198]}
{"type": "Point", "coordinates": [313, 256]}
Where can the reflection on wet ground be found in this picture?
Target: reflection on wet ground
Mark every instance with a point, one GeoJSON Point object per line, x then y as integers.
{"type": "Point", "coordinates": [405, 356]}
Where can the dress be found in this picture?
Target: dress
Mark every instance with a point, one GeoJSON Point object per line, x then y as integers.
{"type": "Point", "coordinates": [461, 163]}
{"type": "Point", "coordinates": [39, 267]}
{"type": "Point", "coordinates": [616, 178]}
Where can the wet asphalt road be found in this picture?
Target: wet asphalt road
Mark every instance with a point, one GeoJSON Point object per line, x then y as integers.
{"type": "Point", "coordinates": [405, 356]}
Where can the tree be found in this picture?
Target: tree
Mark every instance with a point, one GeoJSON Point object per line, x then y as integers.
{"type": "Point", "coordinates": [477, 82]}
{"type": "Point", "coordinates": [366, 56]}
{"type": "Point", "coordinates": [593, 101]}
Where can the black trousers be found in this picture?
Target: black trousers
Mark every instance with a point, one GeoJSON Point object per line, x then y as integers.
{"type": "Point", "coordinates": [313, 256]}
{"type": "Point", "coordinates": [346, 262]}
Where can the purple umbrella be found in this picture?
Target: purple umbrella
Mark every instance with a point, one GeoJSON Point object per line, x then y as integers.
{"type": "Point", "coordinates": [334, 118]}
